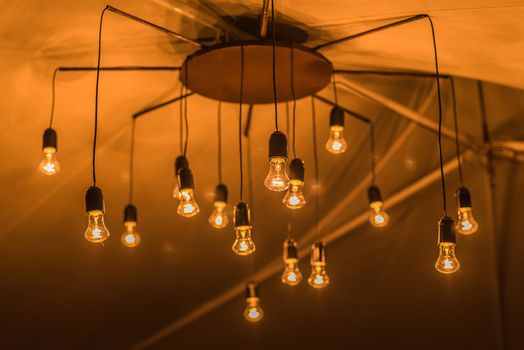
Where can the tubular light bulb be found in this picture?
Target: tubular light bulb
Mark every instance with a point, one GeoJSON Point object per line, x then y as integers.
{"type": "Point", "coordinates": [466, 223]}
{"type": "Point", "coordinates": [49, 165]}
{"type": "Point", "coordinates": [336, 144]}
{"type": "Point", "coordinates": [253, 311]}
{"type": "Point", "coordinates": [294, 198]}
{"type": "Point", "coordinates": [277, 179]}
{"type": "Point", "coordinates": [447, 262]}
{"type": "Point", "coordinates": [318, 278]}
{"type": "Point", "coordinates": [97, 231]}
{"type": "Point", "coordinates": [377, 215]}
{"type": "Point", "coordinates": [218, 218]}
{"type": "Point", "coordinates": [187, 207]}
{"type": "Point", "coordinates": [130, 238]}
{"type": "Point", "coordinates": [291, 275]}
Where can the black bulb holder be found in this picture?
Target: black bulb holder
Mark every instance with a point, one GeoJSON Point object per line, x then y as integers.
{"type": "Point", "coordinates": [463, 197]}
{"type": "Point", "coordinates": [446, 230]}
{"type": "Point", "coordinates": [185, 179]}
{"type": "Point", "coordinates": [318, 253]}
{"type": "Point", "coordinates": [252, 290]}
{"type": "Point", "coordinates": [278, 145]}
{"type": "Point", "coordinates": [180, 163]}
{"type": "Point", "coordinates": [296, 169]}
{"type": "Point", "coordinates": [290, 249]}
{"type": "Point", "coordinates": [94, 199]}
{"type": "Point", "coordinates": [130, 213]}
{"type": "Point", "coordinates": [374, 194]}
{"type": "Point", "coordinates": [221, 193]}
{"type": "Point", "coordinates": [242, 216]}
{"type": "Point", "coordinates": [50, 139]}
{"type": "Point", "coordinates": [336, 117]}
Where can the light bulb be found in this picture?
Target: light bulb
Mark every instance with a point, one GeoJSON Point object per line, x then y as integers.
{"type": "Point", "coordinates": [96, 229]}
{"type": "Point", "coordinates": [253, 311]}
{"type": "Point", "coordinates": [243, 244]}
{"type": "Point", "coordinates": [447, 262]}
{"type": "Point", "coordinates": [49, 165]}
{"type": "Point", "coordinates": [377, 215]}
{"type": "Point", "coordinates": [277, 179]}
{"type": "Point", "coordinates": [187, 207]}
{"type": "Point", "coordinates": [130, 238]}
{"type": "Point", "coordinates": [176, 192]}
{"type": "Point", "coordinates": [291, 275]}
{"type": "Point", "coordinates": [336, 144]}
{"type": "Point", "coordinates": [294, 198]}
{"type": "Point", "coordinates": [466, 223]}
{"type": "Point", "coordinates": [318, 278]}
{"type": "Point", "coordinates": [218, 218]}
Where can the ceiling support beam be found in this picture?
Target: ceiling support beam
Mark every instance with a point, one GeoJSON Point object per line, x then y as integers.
{"type": "Point", "coordinates": [160, 105]}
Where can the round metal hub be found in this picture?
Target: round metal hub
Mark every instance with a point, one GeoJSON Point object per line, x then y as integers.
{"type": "Point", "coordinates": [214, 72]}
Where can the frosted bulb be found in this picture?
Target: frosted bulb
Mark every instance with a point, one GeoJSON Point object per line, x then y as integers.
{"type": "Point", "coordinates": [336, 143]}
{"type": "Point", "coordinates": [291, 275]}
{"type": "Point", "coordinates": [218, 218]}
{"type": "Point", "coordinates": [318, 277]}
{"type": "Point", "coordinates": [277, 179]}
{"type": "Point", "coordinates": [466, 223]}
{"type": "Point", "coordinates": [96, 231]}
{"type": "Point", "coordinates": [377, 215]}
{"type": "Point", "coordinates": [243, 244]}
{"type": "Point", "coordinates": [253, 311]}
{"type": "Point", "coordinates": [447, 262]}
{"type": "Point", "coordinates": [187, 207]}
{"type": "Point", "coordinates": [294, 198]}
{"type": "Point", "coordinates": [130, 238]}
{"type": "Point", "coordinates": [49, 165]}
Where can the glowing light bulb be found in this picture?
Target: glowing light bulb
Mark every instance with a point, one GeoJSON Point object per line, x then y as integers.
{"type": "Point", "coordinates": [218, 218]}
{"type": "Point", "coordinates": [176, 192]}
{"type": "Point", "coordinates": [318, 278]}
{"type": "Point", "coordinates": [336, 144]}
{"type": "Point", "coordinates": [277, 179]}
{"type": "Point", "coordinates": [466, 223]}
{"type": "Point", "coordinates": [291, 275]}
{"type": "Point", "coordinates": [49, 165]}
{"type": "Point", "coordinates": [253, 311]}
{"type": "Point", "coordinates": [447, 262]}
{"type": "Point", "coordinates": [377, 215]}
{"type": "Point", "coordinates": [187, 207]}
{"type": "Point", "coordinates": [96, 229]}
{"type": "Point", "coordinates": [243, 244]}
{"type": "Point", "coordinates": [130, 238]}
{"type": "Point", "coordinates": [294, 198]}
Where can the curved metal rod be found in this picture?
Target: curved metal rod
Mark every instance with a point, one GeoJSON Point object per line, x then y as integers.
{"type": "Point", "coordinates": [351, 113]}
{"type": "Point", "coordinates": [120, 68]}
{"type": "Point", "coordinates": [413, 74]}
{"type": "Point", "coordinates": [160, 105]}
{"type": "Point", "coordinates": [157, 27]}
{"type": "Point", "coordinates": [370, 31]}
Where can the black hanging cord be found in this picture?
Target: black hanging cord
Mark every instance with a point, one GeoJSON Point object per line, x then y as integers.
{"type": "Point", "coordinates": [372, 147]}
{"type": "Point", "coordinates": [315, 157]}
{"type": "Point", "coordinates": [274, 69]}
{"type": "Point", "coordinates": [455, 121]}
{"type": "Point", "coordinates": [335, 93]}
{"type": "Point", "coordinates": [185, 111]}
{"type": "Point", "coordinates": [181, 119]}
{"type": "Point", "coordinates": [294, 99]}
{"type": "Point", "coordinates": [444, 204]}
{"type": "Point", "coordinates": [96, 94]}
{"type": "Point", "coordinates": [219, 130]}
{"type": "Point", "coordinates": [53, 98]}
{"type": "Point", "coordinates": [131, 160]}
{"type": "Point", "coordinates": [287, 118]}
{"type": "Point", "coordinates": [240, 120]}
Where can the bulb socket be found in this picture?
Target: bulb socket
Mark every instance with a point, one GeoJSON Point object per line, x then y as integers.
{"type": "Point", "coordinates": [221, 193]}
{"type": "Point", "coordinates": [446, 230]}
{"type": "Point", "coordinates": [278, 145]}
{"type": "Point", "coordinates": [336, 117]}
{"type": "Point", "coordinates": [94, 199]}
{"type": "Point", "coordinates": [130, 213]}
{"type": "Point", "coordinates": [374, 194]}
{"type": "Point", "coordinates": [290, 249]}
{"type": "Point", "coordinates": [318, 253]}
{"type": "Point", "coordinates": [185, 179]}
{"type": "Point", "coordinates": [252, 290]}
{"type": "Point", "coordinates": [296, 169]}
{"type": "Point", "coordinates": [463, 197]}
{"type": "Point", "coordinates": [50, 139]}
{"type": "Point", "coordinates": [180, 163]}
{"type": "Point", "coordinates": [242, 216]}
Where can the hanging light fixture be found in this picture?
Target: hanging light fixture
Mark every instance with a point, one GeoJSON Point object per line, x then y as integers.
{"type": "Point", "coordinates": [291, 275]}
{"type": "Point", "coordinates": [96, 231]}
{"type": "Point", "coordinates": [318, 278]}
{"type": "Point", "coordinates": [187, 205]}
{"type": "Point", "coordinates": [447, 262]}
{"type": "Point", "coordinates": [243, 244]}
{"type": "Point", "coordinates": [253, 311]}
{"type": "Point", "coordinates": [180, 162]}
{"type": "Point", "coordinates": [377, 215]}
{"type": "Point", "coordinates": [294, 198]}
{"type": "Point", "coordinates": [336, 144]}
{"type": "Point", "coordinates": [49, 165]}
{"type": "Point", "coordinates": [218, 218]}
{"type": "Point", "coordinates": [130, 238]}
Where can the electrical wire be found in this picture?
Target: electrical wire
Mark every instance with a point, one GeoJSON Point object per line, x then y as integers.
{"type": "Point", "coordinates": [455, 121]}
{"type": "Point", "coordinates": [335, 93]}
{"type": "Point", "coordinates": [131, 160]}
{"type": "Point", "coordinates": [53, 98]}
{"type": "Point", "coordinates": [96, 94]}
{"type": "Point", "coordinates": [294, 99]}
{"type": "Point", "coordinates": [315, 157]}
{"type": "Point", "coordinates": [372, 149]}
{"type": "Point", "coordinates": [443, 181]}
{"type": "Point", "coordinates": [181, 119]}
{"type": "Point", "coordinates": [274, 62]}
{"type": "Point", "coordinates": [219, 130]}
{"type": "Point", "coordinates": [185, 110]}
{"type": "Point", "coordinates": [240, 120]}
